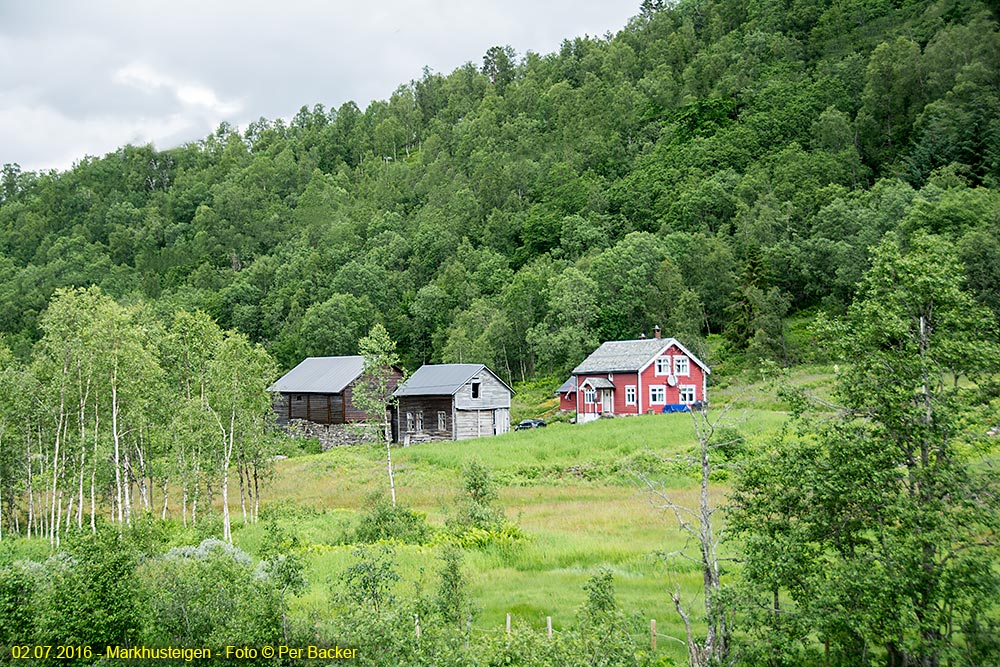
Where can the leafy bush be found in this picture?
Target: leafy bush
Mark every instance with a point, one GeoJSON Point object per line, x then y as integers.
{"type": "Point", "coordinates": [385, 522]}
{"type": "Point", "coordinates": [211, 594]}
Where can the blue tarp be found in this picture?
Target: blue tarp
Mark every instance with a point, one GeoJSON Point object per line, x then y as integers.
{"type": "Point", "coordinates": [676, 407]}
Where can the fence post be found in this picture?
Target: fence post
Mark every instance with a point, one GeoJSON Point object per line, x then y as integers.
{"type": "Point", "coordinates": [508, 623]}
{"type": "Point", "coordinates": [548, 625]}
{"type": "Point", "coordinates": [652, 634]}
{"type": "Point", "coordinates": [468, 629]}
{"type": "Point", "coordinates": [416, 623]}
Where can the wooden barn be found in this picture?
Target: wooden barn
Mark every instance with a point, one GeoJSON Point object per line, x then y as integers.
{"type": "Point", "coordinates": [452, 402]}
{"type": "Point", "coordinates": [320, 390]}
{"type": "Point", "coordinates": [632, 377]}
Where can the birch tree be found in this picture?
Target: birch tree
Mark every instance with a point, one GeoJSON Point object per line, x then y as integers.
{"type": "Point", "coordinates": [238, 401]}
{"type": "Point", "coordinates": [373, 392]}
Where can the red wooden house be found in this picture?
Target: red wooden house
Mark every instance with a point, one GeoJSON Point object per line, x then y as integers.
{"type": "Point", "coordinates": [633, 377]}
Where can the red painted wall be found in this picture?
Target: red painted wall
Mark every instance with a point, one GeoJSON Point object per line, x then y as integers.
{"type": "Point", "coordinates": [695, 376]}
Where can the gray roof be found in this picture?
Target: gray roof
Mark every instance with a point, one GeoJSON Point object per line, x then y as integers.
{"type": "Point", "coordinates": [599, 383]}
{"type": "Point", "coordinates": [569, 386]}
{"type": "Point", "coordinates": [320, 375]}
{"type": "Point", "coordinates": [629, 355]}
{"type": "Point", "coordinates": [441, 379]}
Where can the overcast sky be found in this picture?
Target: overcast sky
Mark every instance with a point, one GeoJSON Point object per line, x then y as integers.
{"type": "Point", "coordinates": [84, 77]}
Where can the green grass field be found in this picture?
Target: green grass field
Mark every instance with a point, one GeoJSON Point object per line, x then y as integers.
{"type": "Point", "coordinates": [571, 488]}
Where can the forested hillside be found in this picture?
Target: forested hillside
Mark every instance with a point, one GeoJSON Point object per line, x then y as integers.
{"type": "Point", "coordinates": [712, 167]}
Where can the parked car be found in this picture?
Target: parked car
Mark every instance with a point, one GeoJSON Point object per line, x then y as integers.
{"type": "Point", "coordinates": [529, 423]}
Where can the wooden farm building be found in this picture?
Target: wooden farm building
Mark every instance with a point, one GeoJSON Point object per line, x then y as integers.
{"type": "Point", "coordinates": [452, 402]}
{"type": "Point", "coordinates": [320, 390]}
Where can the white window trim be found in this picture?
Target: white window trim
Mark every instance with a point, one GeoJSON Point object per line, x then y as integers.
{"type": "Point", "coordinates": [409, 421]}
{"type": "Point", "coordinates": [663, 361]}
{"type": "Point", "coordinates": [631, 394]}
{"type": "Point", "coordinates": [681, 360]}
{"type": "Point", "coordinates": [420, 421]}
{"type": "Point", "coordinates": [589, 395]}
{"type": "Point", "coordinates": [656, 389]}
{"type": "Point", "coordinates": [687, 387]}
{"type": "Point", "coordinates": [442, 420]}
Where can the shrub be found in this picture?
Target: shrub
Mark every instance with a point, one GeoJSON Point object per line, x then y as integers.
{"type": "Point", "coordinates": [385, 522]}
{"type": "Point", "coordinates": [213, 593]}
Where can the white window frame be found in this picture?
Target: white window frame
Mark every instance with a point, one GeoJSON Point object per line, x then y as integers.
{"type": "Point", "coordinates": [409, 421]}
{"type": "Point", "coordinates": [685, 388]}
{"type": "Point", "coordinates": [631, 395]}
{"type": "Point", "coordinates": [420, 421]}
{"type": "Point", "coordinates": [589, 395]}
{"type": "Point", "coordinates": [657, 390]}
{"type": "Point", "coordinates": [662, 365]}
{"type": "Point", "coordinates": [682, 366]}
{"type": "Point", "coordinates": [442, 420]}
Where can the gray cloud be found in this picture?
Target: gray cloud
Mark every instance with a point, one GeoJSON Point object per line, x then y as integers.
{"type": "Point", "coordinates": [84, 78]}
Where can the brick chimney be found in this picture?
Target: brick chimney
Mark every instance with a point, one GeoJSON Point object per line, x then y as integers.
{"type": "Point", "coordinates": [656, 331]}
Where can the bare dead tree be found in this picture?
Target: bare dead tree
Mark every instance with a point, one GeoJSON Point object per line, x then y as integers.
{"type": "Point", "coordinates": [703, 537]}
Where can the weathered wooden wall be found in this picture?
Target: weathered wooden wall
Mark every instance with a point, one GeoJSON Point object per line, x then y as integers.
{"type": "Point", "coordinates": [492, 393]}
{"type": "Point", "coordinates": [430, 406]}
{"type": "Point", "coordinates": [318, 408]}
{"type": "Point", "coordinates": [481, 423]}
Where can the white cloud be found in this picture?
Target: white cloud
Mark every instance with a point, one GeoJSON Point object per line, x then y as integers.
{"type": "Point", "coordinates": [148, 80]}
{"type": "Point", "coordinates": [92, 76]}
{"type": "Point", "coordinates": [60, 140]}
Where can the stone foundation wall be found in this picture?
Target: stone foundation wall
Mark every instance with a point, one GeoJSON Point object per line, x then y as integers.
{"type": "Point", "coordinates": [335, 435]}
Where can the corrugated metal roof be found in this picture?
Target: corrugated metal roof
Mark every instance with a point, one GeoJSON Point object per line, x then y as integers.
{"type": "Point", "coordinates": [438, 379]}
{"type": "Point", "coordinates": [320, 375]}
{"type": "Point", "coordinates": [442, 379]}
{"type": "Point", "coordinates": [629, 355]}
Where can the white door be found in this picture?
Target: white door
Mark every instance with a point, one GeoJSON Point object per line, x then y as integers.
{"type": "Point", "coordinates": [607, 402]}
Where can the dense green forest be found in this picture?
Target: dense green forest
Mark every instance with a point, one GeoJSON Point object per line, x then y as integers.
{"type": "Point", "coordinates": [716, 167]}
{"type": "Point", "coordinates": [712, 167]}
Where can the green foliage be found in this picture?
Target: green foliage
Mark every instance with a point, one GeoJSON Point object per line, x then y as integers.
{"type": "Point", "coordinates": [212, 594]}
{"type": "Point", "coordinates": [487, 212]}
{"type": "Point", "coordinates": [383, 521]}
{"type": "Point", "coordinates": [368, 583]}
{"type": "Point", "coordinates": [90, 593]}
{"type": "Point", "coordinates": [476, 505]}
{"type": "Point", "coordinates": [873, 530]}
{"type": "Point", "coordinates": [452, 597]}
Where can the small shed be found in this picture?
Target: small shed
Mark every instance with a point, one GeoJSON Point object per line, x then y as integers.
{"type": "Point", "coordinates": [320, 390]}
{"type": "Point", "coordinates": [452, 402]}
{"type": "Point", "coordinates": [567, 394]}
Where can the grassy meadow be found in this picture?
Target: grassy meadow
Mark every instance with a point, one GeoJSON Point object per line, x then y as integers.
{"type": "Point", "coordinates": [572, 489]}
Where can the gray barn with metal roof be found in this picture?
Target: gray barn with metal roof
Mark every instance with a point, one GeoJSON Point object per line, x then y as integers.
{"type": "Point", "coordinates": [452, 402]}
{"type": "Point", "coordinates": [320, 390]}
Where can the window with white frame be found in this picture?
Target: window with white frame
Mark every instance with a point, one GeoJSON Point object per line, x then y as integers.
{"type": "Point", "coordinates": [682, 366]}
{"type": "Point", "coordinates": [420, 420]}
{"type": "Point", "coordinates": [688, 393]}
{"type": "Point", "coordinates": [589, 395]}
{"type": "Point", "coordinates": [630, 394]}
{"type": "Point", "coordinates": [657, 394]}
{"type": "Point", "coordinates": [442, 420]}
{"type": "Point", "coordinates": [409, 421]}
{"type": "Point", "coordinates": [663, 366]}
